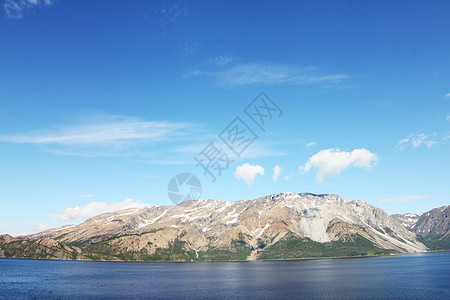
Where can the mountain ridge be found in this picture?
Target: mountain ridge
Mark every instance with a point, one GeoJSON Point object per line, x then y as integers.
{"type": "Point", "coordinates": [278, 226]}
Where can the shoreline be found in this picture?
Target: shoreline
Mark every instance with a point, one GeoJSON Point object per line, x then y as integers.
{"type": "Point", "coordinates": [232, 261]}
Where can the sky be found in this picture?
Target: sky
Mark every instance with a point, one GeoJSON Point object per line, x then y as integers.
{"type": "Point", "coordinates": [104, 103]}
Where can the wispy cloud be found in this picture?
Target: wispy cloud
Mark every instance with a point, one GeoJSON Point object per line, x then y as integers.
{"type": "Point", "coordinates": [16, 9]}
{"type": "Point", "coordinates": [93, 209]}
{"type": "Point", "coordinates": [101, 130]}
{"type": "Point", "coordinates": [252, 74]}
{"type": "Point", "coordinates": [96, 133]}
{"type": "Point", "coordinates": [416, 140]}
{"type": "Point", "coordinates": [276, 173]}
{"type": "Point", "coordinates": [447, 96]}
{"type": "Point", "coordinates": [311, 144]}
{"type": "Point", "coordinates": [248, 172]}
{"type": "Point", "coordinates": [407, 198]}
{"type": "Point", "coordinates": [332, 162]}
{"type": "Point", "coordinates": [169, 13]}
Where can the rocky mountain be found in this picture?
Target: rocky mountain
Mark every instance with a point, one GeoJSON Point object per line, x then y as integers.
{"type": "Point", "coordinates": [433, 227]}
{"type": "Point", "coordinates": [280, 226]}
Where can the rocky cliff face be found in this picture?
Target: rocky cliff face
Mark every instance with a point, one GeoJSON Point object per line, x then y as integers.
{"type": "Point", "coordinates": [305, 224]}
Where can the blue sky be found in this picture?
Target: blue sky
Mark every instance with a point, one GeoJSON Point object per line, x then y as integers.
{"type": "Point", "coordinates": [102, 103]}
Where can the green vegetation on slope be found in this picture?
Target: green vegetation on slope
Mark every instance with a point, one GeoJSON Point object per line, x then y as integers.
{"type": "Point", "coordinates": [239, 250]}
{"type": "Point", "coordinates": [434, 243]}
{"type": "Point", "coordinates": [291, 246]}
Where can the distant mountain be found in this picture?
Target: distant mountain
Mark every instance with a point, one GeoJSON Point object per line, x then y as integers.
{"type": "Point", "coordinates": [433, 227]}
{"type": "Point", "coordinates": [281, 226]}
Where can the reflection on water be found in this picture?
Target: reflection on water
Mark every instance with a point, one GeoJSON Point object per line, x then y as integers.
{"type": "Point", "coordinates": [410, 276]}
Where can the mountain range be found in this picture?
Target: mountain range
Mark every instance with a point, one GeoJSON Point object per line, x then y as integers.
{"type": "Point", "coordinates": [279, 226]}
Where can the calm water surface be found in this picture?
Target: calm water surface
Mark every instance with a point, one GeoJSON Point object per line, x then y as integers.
{"type": "Point", "coordinates": [415, 276]}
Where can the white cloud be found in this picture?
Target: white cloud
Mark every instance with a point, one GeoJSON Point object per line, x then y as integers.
{"type": "Point", "coordinates": [272, 74]}
{"type": "Point", "coordinates": [248, 172]}
{"type": "Point", "coordinates": [93, 209]}
{"type": "Point", "coordinates": [416, 140]}
{"type": "Point", "coordinates": [311, 144]}
{"type": "Point", "coordinates": [15, 9]}
{"type": "Point", "coordinates": [276, 173]}
{"type": "Point", "coordinates": [332, 162]}
{"type": "Point", "coordinates": [448, 118]}
{"type": "Point", "coordinates": [407, 198]}
{"type": "Point", "coordinates": [447, 96]}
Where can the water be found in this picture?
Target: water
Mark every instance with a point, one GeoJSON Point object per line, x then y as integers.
{"type": "Point", "coordinates": [415, 276]}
